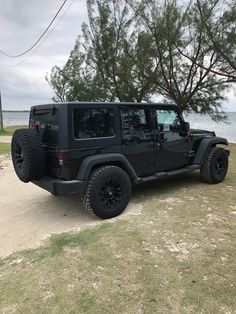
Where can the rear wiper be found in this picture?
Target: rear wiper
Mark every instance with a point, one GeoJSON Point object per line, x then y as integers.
{"type": "Point", "coordinates": [39, 112]}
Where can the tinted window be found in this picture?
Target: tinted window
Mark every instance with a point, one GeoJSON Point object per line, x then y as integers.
{"type": "Point", "coordinates": [47, 120]}
{"type": "Point", "coordinates": [134, 120]}
{"type": "Point", "coordinates": [168, 120]}
{"type": "Point", "coordinates": [93, 123]}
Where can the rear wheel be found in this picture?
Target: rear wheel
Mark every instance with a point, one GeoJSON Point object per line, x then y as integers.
{"type": "Point", "coordinates": [108, 192]}
{"type": "Point", "coordinates": [215, 167]}
{"type": "Point", "coordinates": [28, 154]}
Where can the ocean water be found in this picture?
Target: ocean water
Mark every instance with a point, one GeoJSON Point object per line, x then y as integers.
{"type": "Point", "coordinates": [196, 121]}
{"type": "Point", "coordinates": [221, 129]}
{"type": "Point", "coordinates": [15, 118]}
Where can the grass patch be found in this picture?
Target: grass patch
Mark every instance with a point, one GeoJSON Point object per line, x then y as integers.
{"type": "Point", "coordinates": [9, 130]}
{"type": "Point", "coordinates": [5, 147]}
{"type": "Point", "coordinates": [177, 256]}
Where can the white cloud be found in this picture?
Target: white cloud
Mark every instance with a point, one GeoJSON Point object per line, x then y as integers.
{"type": "Point", "coordinates": [22, 23]}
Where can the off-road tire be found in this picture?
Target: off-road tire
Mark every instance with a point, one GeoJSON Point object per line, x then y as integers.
{"type": "Point", "coordinates": [108, 192]}
{"type": "Point", "coordinates": [215, 166]}
{"type": "Point", "coordinates": [28, 154]}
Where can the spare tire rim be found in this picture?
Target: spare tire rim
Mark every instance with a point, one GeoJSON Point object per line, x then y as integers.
{"type": "Point", "coordinates": [111, 193]}
{"type": "Point", "coordinates": [220, 166]}
{"type": "Point", "coordinates": [19, 156]}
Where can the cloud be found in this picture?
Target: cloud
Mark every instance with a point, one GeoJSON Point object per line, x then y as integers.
{"type": "Point", "coordinates": [21, 24]}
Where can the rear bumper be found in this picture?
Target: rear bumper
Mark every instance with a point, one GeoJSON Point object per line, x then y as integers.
{"type": "Point", "coordinates": [61, 187]}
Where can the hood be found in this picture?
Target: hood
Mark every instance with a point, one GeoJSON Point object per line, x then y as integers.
{"type": "Point", "coordinates": [202, 132]}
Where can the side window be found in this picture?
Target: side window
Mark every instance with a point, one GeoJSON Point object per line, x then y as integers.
{"type": "Point", "coordinates": [168, 120]}
{"type": "Point", "coordinates": [93, 123]}
{"type": "Point", "coordinates": [134, 120]}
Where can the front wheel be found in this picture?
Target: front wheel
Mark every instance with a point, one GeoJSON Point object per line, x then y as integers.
{"type": "Point", "coordinates": [215, 167]}
{"type": "Point", "coordinates": [108, 192]}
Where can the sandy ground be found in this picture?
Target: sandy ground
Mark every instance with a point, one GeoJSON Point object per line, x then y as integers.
{"type": "Point", "coordinates": [29, 214]}
{"type": "Point", "coordinates": [5, 139]}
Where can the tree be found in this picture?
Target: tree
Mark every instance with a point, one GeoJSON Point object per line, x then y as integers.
{"type": "Point", "coordinates": [113, 32]}
{"type": "Point", "coordinates": [75, 81]}
{"type": "Point", "coordinates": [137, 50]}
{"type": "Point", "coordinates": [99, 67]}
{"type": "Point", "coordinates": [189, 82]}
{"type": "Point", "coordinates": [220, 28]}
{"type": "Point", "coordinates": [218, 20]}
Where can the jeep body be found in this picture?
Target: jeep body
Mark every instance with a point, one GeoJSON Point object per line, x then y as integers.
{"type": "Point", "coordinates": [146, 141]}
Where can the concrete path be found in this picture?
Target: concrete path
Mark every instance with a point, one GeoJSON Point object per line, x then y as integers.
{"type": "Point", "coordinates": [29, 214]}
{"type": "Point", "coordinates": [5, 139]}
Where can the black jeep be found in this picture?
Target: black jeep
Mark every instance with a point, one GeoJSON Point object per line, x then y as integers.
{"type": "Point", "coordinates": [102, 149]}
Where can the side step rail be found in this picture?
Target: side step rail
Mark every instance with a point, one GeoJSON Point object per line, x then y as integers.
{"type": "Point", "coordinates": [166, 174]}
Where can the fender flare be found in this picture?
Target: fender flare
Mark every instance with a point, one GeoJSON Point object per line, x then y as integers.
{"type": "Point", "coordinates": [205, 146]}
{"type": "Point", "coordinates": [111, 158]}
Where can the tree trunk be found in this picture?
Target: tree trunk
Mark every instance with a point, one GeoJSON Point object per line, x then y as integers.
{"type": "Point", "coordinates": [1, 118]}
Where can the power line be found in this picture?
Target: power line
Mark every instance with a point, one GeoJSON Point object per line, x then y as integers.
{"type": "Point", "coordinates": [45, 38]}
{"type": "Point", "coordinates": [38, 40]}
{"type": "Point", "coordinates": [42, 41]}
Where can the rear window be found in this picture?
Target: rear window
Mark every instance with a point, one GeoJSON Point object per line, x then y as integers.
{"type": "Point", "coordinates": [47, 119]}
{"type": "Point", "coordinates": [93, 123]}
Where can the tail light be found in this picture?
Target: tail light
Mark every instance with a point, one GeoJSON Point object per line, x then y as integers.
{"type": "Point", "coordinates": [34, 126]}
{"type": "Point", "coordinates": [63, 158]}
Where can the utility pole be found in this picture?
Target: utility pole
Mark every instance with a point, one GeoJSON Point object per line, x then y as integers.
{"type": "Point", "coordinates": [1, 118]}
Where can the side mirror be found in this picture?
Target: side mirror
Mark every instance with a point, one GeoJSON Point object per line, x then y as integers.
{"type": "Point", "coordinates": [185, 129]}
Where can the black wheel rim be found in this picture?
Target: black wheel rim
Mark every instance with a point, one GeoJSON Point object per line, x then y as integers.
{"type": "Point", "coordinates": [111, 193]}
{"type": "Point", "coordinates": [19, 157]}
{"type": "Point", "coordinates": [220, 166]}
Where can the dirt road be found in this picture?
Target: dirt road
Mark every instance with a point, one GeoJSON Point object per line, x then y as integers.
{"type": "Point", "coordinates": [29, 214]}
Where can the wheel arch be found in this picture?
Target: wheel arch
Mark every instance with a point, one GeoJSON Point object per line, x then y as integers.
{"type": "Point", "coordinates": [205, 147]}
{"type": "Point", "coordinates": [91, 163]}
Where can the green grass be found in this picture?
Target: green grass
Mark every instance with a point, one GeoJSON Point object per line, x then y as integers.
{"type": "Point", "coordinates": [8, 131]}
{"type": "Point", "coordinates": [5, 147]}
{"type": "Point", "coordinates": [177, 256]}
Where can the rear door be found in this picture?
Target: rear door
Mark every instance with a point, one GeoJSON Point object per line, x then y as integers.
{"type": "Point", "coordinates": [173, 143]}
{"type": "Point", "coordinates": [138, 143]}
{"type": "Point", "coordinates": [46, 119]}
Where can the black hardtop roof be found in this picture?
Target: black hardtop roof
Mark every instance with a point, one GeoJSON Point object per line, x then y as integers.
{"type": "Point", "coordinates": [82, 103]}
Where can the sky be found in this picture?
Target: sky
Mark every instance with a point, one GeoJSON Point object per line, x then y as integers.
{"type": "Point", "coordinates": [22, 80]}
{"type": "Point", "coordinates": [21, 24]}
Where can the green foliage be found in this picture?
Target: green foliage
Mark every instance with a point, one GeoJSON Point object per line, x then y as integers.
{"type": "Point", "coordinates": [99, 67]}
{"type": "Point", "coordinates": [220, 28]}
{"type": "Point", "coordinates": [136, 50]}
{"type": "Point", "coordinates": [185, 62]}
{"type": "Point", "coordinates": [9, 130]}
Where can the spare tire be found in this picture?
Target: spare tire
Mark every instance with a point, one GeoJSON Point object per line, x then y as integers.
{"type": "Point", "coordinates": [28, 154]}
